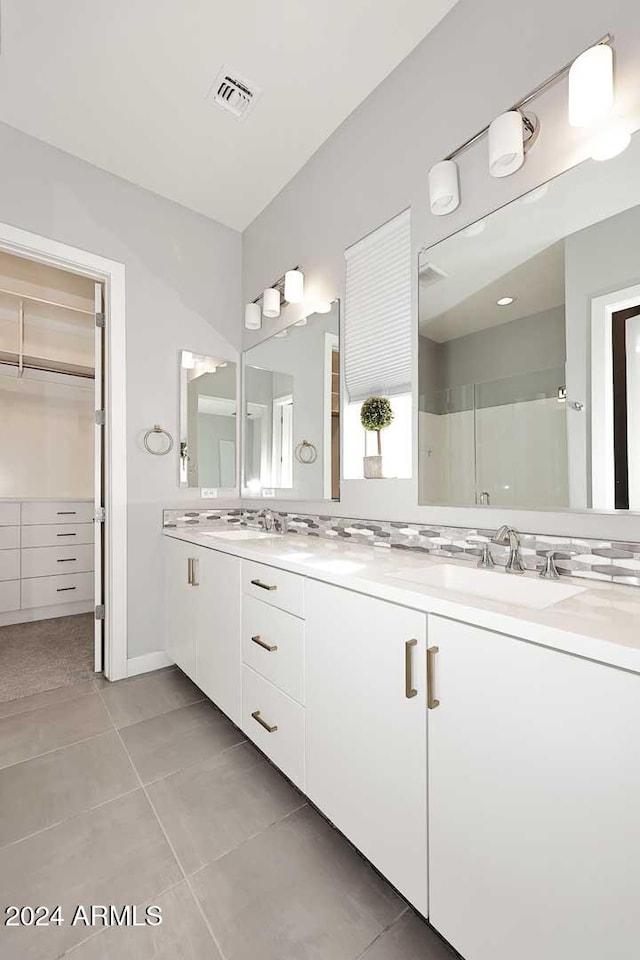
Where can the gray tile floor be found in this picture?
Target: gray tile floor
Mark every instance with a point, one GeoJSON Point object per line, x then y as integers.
{"type": "Point", "coordinates": [141, 792]}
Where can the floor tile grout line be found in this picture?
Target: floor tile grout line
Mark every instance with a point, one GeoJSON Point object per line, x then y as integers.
{"type": "Point", "coordinates": [194, 763]}
{"type": "Point", "coordinates": [46, 753]}
{"type": "Point", "coordinates": [388, 927]}
{"type": "Point", "coordinates": [45, 706]}
{"type": "Point", "coordinates": [168, 841]}
{"type": "Point", "coordinates": [162, 713]}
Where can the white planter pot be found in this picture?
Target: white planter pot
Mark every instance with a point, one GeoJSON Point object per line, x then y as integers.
{"type": "Point", "coordinates": [372, 467]}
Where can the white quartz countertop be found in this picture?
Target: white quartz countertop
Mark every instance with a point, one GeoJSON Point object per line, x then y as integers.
{"type": "Point", "coordinates": [601, 623]}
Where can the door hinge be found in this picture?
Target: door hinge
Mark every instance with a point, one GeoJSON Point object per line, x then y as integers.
{"type": "Point", "coordinates": [101, 320]}
{"type": "Point", "coordinates": [99, 611]}
{"type": "Point", "coordinates": [101, 418]}
{"type": "Point", "coordinates": [100, 515]}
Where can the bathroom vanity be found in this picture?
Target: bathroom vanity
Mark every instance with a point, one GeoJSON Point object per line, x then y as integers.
{"type": "Point", "coordinates": [481, 753]}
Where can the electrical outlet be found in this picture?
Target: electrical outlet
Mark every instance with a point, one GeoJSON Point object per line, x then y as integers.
{"type": "Point", "coordinates": [268, 492]}
{"type": "Point", "coordinates": [208, 493]}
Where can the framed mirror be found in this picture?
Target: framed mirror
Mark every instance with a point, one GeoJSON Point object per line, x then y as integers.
{"type": "Point", "coordinates": [208, 421]}
{"type": "Point", "coordinates": [529, 349]}
{"type": "Point", "coordinates": [291, 411]}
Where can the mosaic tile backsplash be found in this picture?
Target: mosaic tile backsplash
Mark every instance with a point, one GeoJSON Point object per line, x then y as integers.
{"type": "Point", "coordinates": [611, 561]}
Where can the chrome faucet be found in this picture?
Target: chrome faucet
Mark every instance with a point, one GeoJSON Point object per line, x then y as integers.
{"type": "Point", "coordinates": [509, 535]}
{"type": "Point", "coordinates": [549, 571]}
{"type": "Point", "coordinates": [267, 521]}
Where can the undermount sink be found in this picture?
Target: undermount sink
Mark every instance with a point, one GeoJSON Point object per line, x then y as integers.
{"type": "Point", "coordinates": [508, 588]}
{"type": "Point", "coordinates": [237, 534]}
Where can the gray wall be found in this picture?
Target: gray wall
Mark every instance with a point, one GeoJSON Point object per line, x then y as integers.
{"type": "Point", "coordinates": [183, 292]}
{"type": "Point", "coordinates": [479, 60]}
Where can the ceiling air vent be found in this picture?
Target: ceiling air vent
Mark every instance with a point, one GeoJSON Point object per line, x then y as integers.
{"type": "Point", "coordinates": [234, 93]}
{"type": "Point", "coordinates": [430, 274]}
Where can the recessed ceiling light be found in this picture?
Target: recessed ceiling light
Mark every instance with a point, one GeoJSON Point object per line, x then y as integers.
{"type": "Point", "coordinates": [505, 301]}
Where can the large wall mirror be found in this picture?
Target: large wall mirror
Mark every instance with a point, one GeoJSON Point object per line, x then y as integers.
{"type": "Point", "coordinates": [529, 349]}
{"type": "Point", "coordinates": [208, 421]}
{"type": "Point", "coordinates": [291, 411]}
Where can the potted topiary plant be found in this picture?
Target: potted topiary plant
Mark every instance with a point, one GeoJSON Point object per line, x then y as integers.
{"type": "Point", "coordinates": [375, 415]}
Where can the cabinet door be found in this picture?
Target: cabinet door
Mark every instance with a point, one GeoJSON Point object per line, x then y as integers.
{"type": "Point", "coordinates": [218, 647]}
{"type": "Point", "coordinates": [180, 605]}
{"type": "Point", "coordinates": [534, 800]}
{"type": "Point", "coordinates": [366, 751]}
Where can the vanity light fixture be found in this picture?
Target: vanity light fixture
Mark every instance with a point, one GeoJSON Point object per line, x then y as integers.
{"type": "Point", "coordinates": [271, 303]}
{"type": "Point", "coordinates": [444, 188]}
{"type": "Point", "coordinates": [282, 333]}
{"type": "Point", "coordinates": [302, 322]}
{"type": "Point", "coordinates": [187, 361]}
{"type": "Point", "coordinates": [505, 301]}
{"type": "Point", "coordinates": [252, 316]}
{"type": "Point", "coordinates": [294, 286]}
{"type": "Point", "coordinates": [591, 86]}
{"type": "Point", "coordinates": [509, 135]}
{"type": "Point", "coordinates": [323, 306]}
{"type": "Point", "coordinates": [609, 143]}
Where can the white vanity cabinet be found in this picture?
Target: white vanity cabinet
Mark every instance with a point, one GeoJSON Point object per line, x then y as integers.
{"type": "Point", "coordinates": [534, 800]}
{"type": "Point", "coordinates": [202, 602]}
{"type": "Point", "coordinates": [366, 728]}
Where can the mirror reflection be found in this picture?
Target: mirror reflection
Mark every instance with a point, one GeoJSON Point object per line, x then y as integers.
{"type": "Point", "coordinates": [208, 420]}
{"type": "Point", "coordinates": [291, 444]}
{"type": "Point", "coordinates": [529, 349]}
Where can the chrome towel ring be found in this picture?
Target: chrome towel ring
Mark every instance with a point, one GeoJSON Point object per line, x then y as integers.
{"type": "Point", "coordinates": [155, 429]}
{"type": "Point", "coordinates": [306, 452]}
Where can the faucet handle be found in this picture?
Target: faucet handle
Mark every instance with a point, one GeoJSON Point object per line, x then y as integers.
{"type": "Point", "coordinates": [548, 570]}
{"type": "Point", "coordinates": [486, 558]}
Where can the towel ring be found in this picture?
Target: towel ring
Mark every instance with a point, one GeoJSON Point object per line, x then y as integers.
{"type": "Point", "coordinates": [156, 428]}
{"type": "Point", "coordinates": [306, 452]}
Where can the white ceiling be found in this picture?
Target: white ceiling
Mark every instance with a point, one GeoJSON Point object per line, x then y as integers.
{"type": "Point", "coordinates": [122, 84]}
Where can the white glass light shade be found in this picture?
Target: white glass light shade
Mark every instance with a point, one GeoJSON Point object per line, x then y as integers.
{"type": "Point", "coordinates": [252, 316]}
{"type": "Point", "coordinates": [187, 361]}
{"type": "Point", "coordinates": [294, 286]}
{"type": "Point", "coordinates": [609, 143]}
{"type": "Point", "coordinates": [506, 144]}
{"type": "Point", "coordinates": [322, 306]}
{"type": "Point", "coordinates": [444, 191]}
{"type": "Point", "coordinates": [271, 302]}
{"type": "Point", "coordinates": [591, 86]}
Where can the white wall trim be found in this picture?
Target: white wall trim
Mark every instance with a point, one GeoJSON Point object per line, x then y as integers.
{"type": "Point", "coordinates": [147, 662]}
{"type": "Point", "coordinates": [112, 274]}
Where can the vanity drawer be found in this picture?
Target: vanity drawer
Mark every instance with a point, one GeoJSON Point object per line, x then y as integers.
{"type": "Point", "coordinates": [9, 514]}
{"type": "Point", "coordinates": [262, 703]}
{"type": "Point", "coordinates": [9, 538]}
{"type": "Point", "coordinates": [60, 511]}
{"type": "Point", "coordinates": [9, 564]}
{"type": "Point", "coordinates": [54, 561]}
{"type": "Point", "coordinates": [56, 535]}
{"type": "Point", "coordinates": [277, 587]}
{"type": "Point", "coordinates": [273, 645]}
{"type": "Point", "coordinates": [46, 591]}
{"type": "Point", "coordinates": [9, 595]}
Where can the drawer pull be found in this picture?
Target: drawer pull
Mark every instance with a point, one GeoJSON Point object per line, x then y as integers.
{"type": "Point", "coordinates": [263, 723]}
{"type": "Point", "coordinates": [432, 702]}
{"type": "Point", "coordinates": [194, 572]}
{"type": "Point", "coordinates": [261, 643]}
{"type": "Point", "coordinates": [64, 589]}
{"type": "Point", "coordinates": [66, 534]}
{"type": "Point", "coordinates": [409, 689]}
{"type": "Point", "coordinates": [68, 560]}
{"type": "Point", "coordinates": [264, 586]}
{"type": "Point", "coordinates": [67, 513]}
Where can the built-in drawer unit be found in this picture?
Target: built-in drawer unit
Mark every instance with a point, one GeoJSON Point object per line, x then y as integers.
{"type": "Point", "coordinates": [9, 538]}
{"type": "Point", "coordinates": [273, 645]}
{"type": "Point", "coordinates": [46, 591]}
{"type": "Point", "coordinates": [277, 587]}
{"type": "Point", "coordinates": [9, 514]}
{"type": "Point", "coordinates": [61, 511]}
{"type": "Point", "coordinates": [9, 564]}
{"type": "Point", "coordinates": [275, 723]}
{"type": "Point", "coordinates": [53, 561]}
{"type": "Point", "coordinates": [9, 595]}
{"type": "Point", "coordinates": [56, 535]}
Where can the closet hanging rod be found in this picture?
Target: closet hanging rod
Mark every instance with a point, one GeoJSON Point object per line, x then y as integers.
{"type": "Point", "coordinates": [49, 303]}
{"type": "Point", "coordinates": [36, 363]}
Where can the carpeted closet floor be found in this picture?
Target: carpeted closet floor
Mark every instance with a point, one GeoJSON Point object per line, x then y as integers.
{"type": "Point", "coordinates": [44, 655]}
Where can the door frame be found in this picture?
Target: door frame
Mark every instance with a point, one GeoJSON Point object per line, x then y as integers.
{"type": "Point", "coordinates": [112, 274]}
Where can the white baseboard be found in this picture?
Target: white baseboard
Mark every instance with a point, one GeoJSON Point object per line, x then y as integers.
{"type": "Point", "coordinates": [147, 662]}
{"type": "Point", "coordinates": [45, 613]}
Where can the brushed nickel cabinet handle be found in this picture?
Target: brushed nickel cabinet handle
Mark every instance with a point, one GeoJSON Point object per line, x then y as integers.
{"type": "Point", "coordinates": [409, 689]}
{"type": "Point", "coordinates": [264, 586]}
{"type": "Point", "coordinates": [261, 643]}
{"type": "Point", "coordinates": [194, 572]}
{"type": "Point", "coordinates": [432, 702]}
{"type": "Point", "coordinates": [263, 723]}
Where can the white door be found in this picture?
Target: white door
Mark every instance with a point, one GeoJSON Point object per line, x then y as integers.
{"type": "Point", "coordinates": [366, 736]}
{"type": "Point", "coordinates": [534, 800]}
{"type": "Point", "coordinates": [181, 604]}
{"type": "Point", "coordinates": [217, 633]}
{"type": "Point", "coordinates": [98, 484]}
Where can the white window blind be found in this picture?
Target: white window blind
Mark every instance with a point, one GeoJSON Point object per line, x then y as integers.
{"type": "Point", "coordinates": [377, 326]}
